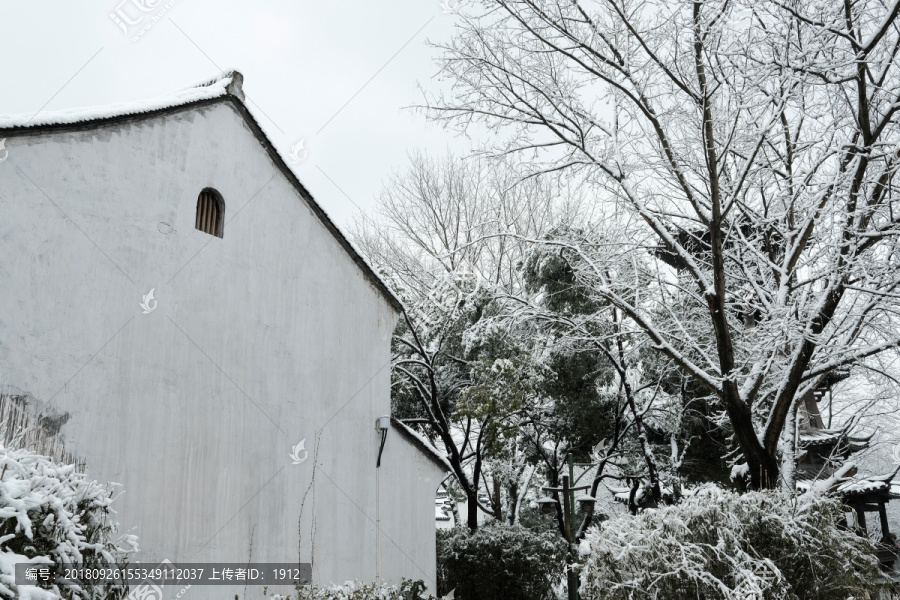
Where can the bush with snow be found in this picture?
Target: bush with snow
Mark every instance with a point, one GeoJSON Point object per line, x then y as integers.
{"type": "Point", "coordinates": [53, 515]}
{"type": "Point", "coordinates": [500, 562]}
{"type": "Point", "coordinates": [355, 590]}
{"type": "Point", "coordinates": [718, 544]}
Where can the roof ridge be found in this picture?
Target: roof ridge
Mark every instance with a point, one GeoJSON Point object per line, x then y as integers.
{"type": "Point", "coordinates": [210, 81]}
{"type": "Point", "coordinates": [224, 84]}
{"type": "Point", "coordinates": [232, 79]}
{"type": "Point", "coordinates": [424, 446]}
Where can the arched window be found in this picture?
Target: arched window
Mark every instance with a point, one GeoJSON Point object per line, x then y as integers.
{"type": "Point", "coordinates": [211, 212]}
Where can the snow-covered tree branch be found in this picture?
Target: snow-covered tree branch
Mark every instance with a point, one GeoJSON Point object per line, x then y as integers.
{"type": "Point", "coordinates": [744, 151]}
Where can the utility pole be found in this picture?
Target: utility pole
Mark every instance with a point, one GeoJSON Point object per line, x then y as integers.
{"type": "Point", "coordinates": [568, 510]}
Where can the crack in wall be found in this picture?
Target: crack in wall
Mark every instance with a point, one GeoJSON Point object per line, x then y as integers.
{"type": "Point", "coordinates": [312, 482]}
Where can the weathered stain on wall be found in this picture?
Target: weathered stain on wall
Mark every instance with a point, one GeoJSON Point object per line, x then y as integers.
{"type": "Point", "coordinates": [20, 429]}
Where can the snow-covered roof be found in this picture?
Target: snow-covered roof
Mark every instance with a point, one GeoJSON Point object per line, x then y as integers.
{"type": "Point", "coordinates": [621, 494]}
{"type": "Point", "coordinates": [223, 84]}
{"type": "Point", "coordinates": [226, 86]}
{"type": "Point", "coordinates": [819, 436]}
{"type": "Point", "coordinates": [816, 437]}
{"type": "Point", "coordinates": [421, 443]}
{"type": "Point", "coordinates": [862, 486]}
{"type": "Point", "coordinates": [843, 484]}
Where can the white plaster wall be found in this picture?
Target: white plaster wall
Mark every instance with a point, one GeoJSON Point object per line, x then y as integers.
{"type": "Point", "coordinates": [260, 339]}
{"type": "Point", "coordinates": [408, 479]}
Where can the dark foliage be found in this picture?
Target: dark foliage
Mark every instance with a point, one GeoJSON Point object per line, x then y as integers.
{"type": "Point", "coordinates": [499, 562]}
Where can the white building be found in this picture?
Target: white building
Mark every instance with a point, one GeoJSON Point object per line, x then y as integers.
{"type": "Point", "coordinates": [265, 329]}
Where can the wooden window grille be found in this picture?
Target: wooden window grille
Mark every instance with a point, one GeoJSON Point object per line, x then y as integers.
{"type": "Point", "coordinates": [210, 213]}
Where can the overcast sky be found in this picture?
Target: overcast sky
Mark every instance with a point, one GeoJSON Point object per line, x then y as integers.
{"type": "Point", "coordinates": [335, 73]}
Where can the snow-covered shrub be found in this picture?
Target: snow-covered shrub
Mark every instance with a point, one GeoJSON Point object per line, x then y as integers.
{"type": "Point", "coordinates": [51, 514]}
{"type": "Point", "coordinates": [498, 561]}
{"type": "Point", "coordinates": [718, 544]}
{"type": "Point", "coordinates": [354, 590]}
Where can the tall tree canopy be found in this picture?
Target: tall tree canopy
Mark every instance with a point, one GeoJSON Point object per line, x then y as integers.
{"type": "Point", "coordinates": [744, 153]}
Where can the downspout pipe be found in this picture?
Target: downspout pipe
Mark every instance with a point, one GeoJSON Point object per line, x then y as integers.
{"type": "Point", "coordinates": [381, 425]}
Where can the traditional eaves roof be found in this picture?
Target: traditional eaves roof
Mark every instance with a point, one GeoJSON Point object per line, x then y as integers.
{"type": "Point", "coordinates": [421, 443]}
{"type": "Point", "coordinates": [856, 487]}
{"type": "Point", "coordinates": [848, 487]}
{"type": "Point", "coordinates": [826, 437]}
{"type": "Point", "coordinates": [226, 87]}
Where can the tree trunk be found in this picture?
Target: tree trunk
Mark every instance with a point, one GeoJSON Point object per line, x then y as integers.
{"type": "Point", "coordinates": [764, 468]}
{"type": "Point", "coordinates": [513, 493]}
{"type": "Point", "coordinates": [495, 501]}
{"type": "Point", "coordinates": [472, 511]}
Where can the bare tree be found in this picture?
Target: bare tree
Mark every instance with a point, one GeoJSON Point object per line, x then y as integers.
{"type": "Point", "coordinates": [435, 239]}
{"type": "Point", "coordinates": [749, 148]}
{"type": "Point", "coordinates": [445, 216]}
